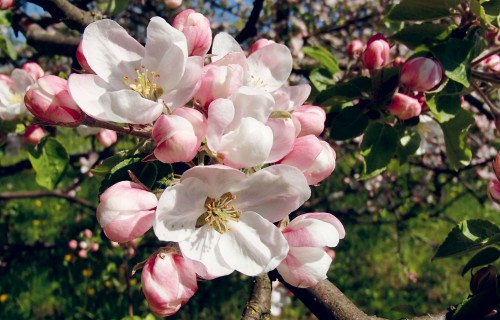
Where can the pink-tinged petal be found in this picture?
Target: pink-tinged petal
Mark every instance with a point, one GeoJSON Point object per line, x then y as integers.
{"type": "Point", "coordinates": [305, 267]}
{"type": "Point", "coordinates": [124, 230]}
{"type": "Point", "coordinates": [292, 97]}
{"type": "Point", "coordinates": [305, 150]}
{"type": "Point", "coordinates": [196, 118]}
{"type": "Point", "coordinates": [180, 147]}
{"type": "Point", "coordinates": [202, 246]}
{"type": "Point", "coordinates": [187, 85]}
{"type": "Point", "coordinates": [286, 190]}
{"type": "Point", "coordinates": [21, 80]}
{"type": "Point", "coordinates": [311, 233]}
{"type": "Point", "coordinates": [270, 65]}
{"type": "Point", "coordinates": [247, 146]}
{"type": "Point", "coordinates": [494, 190]}
{"type": "Point", "coordinates": [323, 166]}
{"type": "Point", "coordinates": [206, 274]}
{"type": "Point", "coordinates": [247, 251]}
{"type": "Point", "coordinates": [251, 102]}
{"type": "Point", "coordinates": [237, 58]}
{"type": "Point", "coordinates": [168, 125]}
{"type": "Point", "coordinates": [311, 118]}
{"type": "Point", "coordinates": [326, 217]}
{"type": "Point", "coordinates": [283, 138]}
{"type": "Point", "coordinates": [166, 52]}
{"type": "Point", "coordinates": [131, 107]}
{"type": "Point", "coordinates": [224, 44]}
{"type": "Point", "coordinates": [178, 209]}
{"type": "Point", "coordinates": [128, 196]}
{"type": "Point", "coordinates": [219, 179]}
{"type": "Point", "coordinates": [111, 52]}
{"type": "Point", "coordinates": [220, 115]}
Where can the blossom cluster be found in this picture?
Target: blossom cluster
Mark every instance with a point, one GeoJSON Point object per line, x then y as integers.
{"type": "Point", "coordinates": [252, 143]}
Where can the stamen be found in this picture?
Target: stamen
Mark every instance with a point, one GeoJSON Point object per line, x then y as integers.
{"type": "Point", "coordinates": [145, 84]}
{"type": "Point", "coordinates": [219, 213]}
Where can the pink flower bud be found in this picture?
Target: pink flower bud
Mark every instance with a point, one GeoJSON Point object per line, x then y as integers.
{"type": "Point", "coordinates": [492, 63]}
{"type": "Point", "coordinates": [34, 134]}
{"type": "Point", "coordinates": [196, 28]}
{"type": "Point", "coordinates": [355, 48]}
{"type": "Point", "coordinates": [421, 74]}
{"type": "Point", "coordinates": [6, 4]}
{"type": "Point", "coordinates": [178, 136]}
{"type": "Point", "coordinates": [107, 137]}
{"type": "Point", "coordinates": [494, 190]}
{"type": "Point", "coordinates": [94, 247]}
{"type": "Point", "coordinates": [168, 282]}
{"type": "Point", "coordinates": [261, 43]}
{"type": "Point", "coordinates": [87, 233]}
{"type": "Point", "coordinates": [172, 4]}
{"type": "Point", "coordinates": [376, 54]}
{"type": "Point", "coordinates": [311, 119]}
{"type": "Point", "coordinates": [126, 211]}
{"type": "Point", "coordinates": [83, 254]}
{"type": "Point", "coordinates": [49, 100]}
{"type": "Point", "coordinates": [314, 157]}
{"type": "Point", "coordinates": [73, 244]}
{"type": "Point", "coordinates": [404, 107]}
{"type": "Point", "coordinates": [496, 166]}
{"type": "Point", "coordinates": [34, 69]}
{"type": "Point", "coordinates": [80, 57]}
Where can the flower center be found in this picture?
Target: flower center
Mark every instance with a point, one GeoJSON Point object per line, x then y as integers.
{"type": "Point", "coordinates": [145, 84]}
{"type": "Point", "coordinates": [16, 98]}
{"type": "Point", "coordinates": [219, 213]}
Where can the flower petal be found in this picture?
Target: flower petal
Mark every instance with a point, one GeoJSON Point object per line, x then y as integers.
{"type": "Point", "coordinates": [269, 67]}
{"type": "Point", "coordinates": [326, 217]}
{"type": "Point", "coordinates": [285, 190]}
{"type": "Point", "coordinates": [130, 106]}
{"type": "Point", "coordinates": [253, 246]}
{"type": "Point", "coordinates": [283, 138]}
{"type": "Point", "coordinates": [311, 233]}
{"type": "Point", "coordinates": [220, 115]}
{"type": "Point", "coordinates": [292, 97]}
{"type": "Point", "coordinates": [224, 44]}
{"type": "Point", "coordinates": [305, 267]}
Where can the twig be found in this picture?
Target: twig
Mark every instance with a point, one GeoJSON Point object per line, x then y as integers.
{"type": "Point", "coordinates": [40, 194]}
{"type": "Point", "coordinates": [66, 12]}
{"type": "Point", "coordinates": [91, 122]}
{"type": "Point", "coordinates": [259, 305]}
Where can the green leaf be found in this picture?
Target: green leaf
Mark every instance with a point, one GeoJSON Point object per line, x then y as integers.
{"type": "Point", "coordinates": [455, 137]}
{"type": "Point", "coordinates": [105, 167]}
{"type": "Point", "coordinates": [321, 79]}
{"type": "Point", "coordinates": [384, 82]}
{"type": "Point", "coordinates": [474, 307]}
{"type": "Point", "coordinates": [483, 257]}
{"type": "Point", "coordinates": [467, 236]}
{"type": "Point", "coordinates": [343, 92]}
{"type": "Point", "coordinates": [324, 57]}
{"type": "Point", "coordinates": [349, 123]}
{"type": "Point", "coordinates": [378, 147]}
{"type": "Point", "coordinates": [7, 47]}
{"type": "Point", "coordinates": [455, 56]}
{"type": "Point", "coordinates": [114, 7]}
{"type": "Point", "coordinates": [49, 160]}
{"type": "Point", "coordinates": [6, 17]}
{"type": "Point", "coordinates": [409, 143]}
{"type": "Point", "coordinates": [427, 33]}
{"type": "Point", "coordinates": [417, 10]}
{"type": "Point", "coordinates": [445, 104]}
{"type": "Point", "coordinates": [492, 11]}
{"type": "Point", "coordinates": [145, 172]}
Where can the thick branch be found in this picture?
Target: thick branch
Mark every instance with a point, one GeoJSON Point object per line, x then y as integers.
{"type": "Point", "coordinates": [51, 43]}
{"type": "Point", "coordinates": [66, 12]}
{"type": "Point", "coordinates": [259, 305]}
{"type": "Point", "coordinates": [250, 28]}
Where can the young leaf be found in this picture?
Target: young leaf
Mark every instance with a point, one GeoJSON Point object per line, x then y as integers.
{"type": "Point", "coordinates": [454, 56]}
{"type": "Point", "coordinates": [408, 144]}
{"type": "Point", "coordinates": [349, 123]}
{"type": "Point", "coordinates": [445, 104]}
{"type": "Point", "coordinates": [378, 147]}
{"type": "Point", "coordinates": [344, 92]}
{"type": "Point", "coordinates": [321, 79]}
{"type": "Point", "coordinates": [49, 160]}
{"type": "Point", "coordinates": [467, 236]}
{"type": "Point", "coordinates": [483, 257]}
{"type": "Point", "coordinates": [324, 57]}
{"type": "Point", "coordinates": [455, 137]}
{"type": "Point", "coordinates": [417, 10]}
{"type": "Point", "coordinates": [427, 33]}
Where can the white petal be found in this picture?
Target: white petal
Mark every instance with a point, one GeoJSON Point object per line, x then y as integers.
{"type": "Point", "coordinates": [251, 102]}
{"type": "Point", "coordinates": [283, 138]}
{"type": "Point", "coordinates": [21, 80]}
{"type": "Point", "coordinates": [166, 52]}
{"type": "Point", "coordinates": [305, 267]}
{"type": "Point", "coordinates": [111, 52]}
{"type": "Point", "coordinates": [253, 246]}
{"type": "Point", "coordinates": [178, 209]}
{"type": "Point", "coordinates": [292, 97]}
{"type": "Point", "coordinates": [131, 106]}
{"type": "Point", "coordinates": [223, 44]}
{"type": "Point", "coordinates": [311, 233]}
{"type": "Point", "coordinates": [220, 115]}
{"type": "Point", "coordinates": [247, 146]}
{"type": "Point", "coordinates": [286, 190]}
{"type": "Point", "coordinates": [187, 86]}
{"type": "Point", "coordinates": [202, 246]}
{"type": "Point", "coordinates": [325, 217]}
{"type": "Point", "coordinates": [269, 67]}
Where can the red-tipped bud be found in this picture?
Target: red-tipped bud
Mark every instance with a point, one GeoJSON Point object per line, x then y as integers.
{"type": "Point", "coordinates": [421, 74]}
{"type": "Point", "coordinates": [355, 48]}
{"type": "Point", "coordinates": [34, 134]}
{"type": "Point", "coordinates": [34, 69]}
{"type": "Point", "coordinates": [404, 107]}
{"type": "Point", "coordinates": [196, 28]}
{"type": "Point", "coordinates": [376, 54]}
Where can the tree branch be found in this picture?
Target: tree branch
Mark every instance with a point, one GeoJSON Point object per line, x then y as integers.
{"type": "Point", "coordinates": [259, 305]}
{"type": "Point", "coordinates": [68, 13]}
{"type": "Point", "coordinates": [55, 194]}
{"type": "Point", "coordinates": [250, 28]}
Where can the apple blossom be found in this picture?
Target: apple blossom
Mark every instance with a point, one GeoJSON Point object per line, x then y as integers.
{"type": "Point", "coordinates": [259, 44]}
{"type": "Point", "coordinates": [6, 4]}
{"type": "Point", "coordinates": [107, 137]}
{"type": "Point", "coordinates": [224, 219]}
{"type": "Point", "coordinates": [307, 261]}
{"type": "Point", "coordinates": [280, 297]}
{"type": "Point", "coordinates": [355, 48]}
{"type": "Point", "coordinates": [49, 100]}
{"type": "Point", "coordinates": [34, 69]}
{"type": "Point", "coordinates": [34, 134]}
{"type": "Point", "coordinates": [12, 94]}
{"type": "Point", "coordinates": [421, 74]}
{"type": "Point", "coordinates": [73, 244]}
{"type": "Point", "coordinates": [314, 157]}
{"type": "Point", "coordinates": [309, 120]}
{"type": "Point", "coordinates": [404, 107]}
{"type": "Point", "coordinates": [126, 211]}
{"type": "Point", "coordinates": [376, 53]}
{"type": "Point", "coordinates": [178, 136]}
{"type": "Point", "coordinates": [196, 28]}
{"type": "Point", "coordinates": [133, 83]}
{"type": "Point", "coordinates": [168, 281]}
